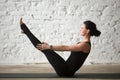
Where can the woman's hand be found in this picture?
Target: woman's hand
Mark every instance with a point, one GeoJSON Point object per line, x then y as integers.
{"type": "Point", "coordinates": [43, 46]}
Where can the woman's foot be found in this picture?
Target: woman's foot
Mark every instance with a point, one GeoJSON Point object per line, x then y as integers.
{"type": "Point", "coordinates": [24, 28]}
{"type": "Point", "coordinates": [21, 22]}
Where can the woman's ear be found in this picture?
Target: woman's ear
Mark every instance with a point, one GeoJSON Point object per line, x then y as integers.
{"type": "Point", "coordinates": [88, 31]}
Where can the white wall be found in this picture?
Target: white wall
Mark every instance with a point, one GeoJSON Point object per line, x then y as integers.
{"type": "Point", "coordinates": [58, 22]}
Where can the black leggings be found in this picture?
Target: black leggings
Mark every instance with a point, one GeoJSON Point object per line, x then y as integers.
{"type": "Point", "coordinates": [61, 66]}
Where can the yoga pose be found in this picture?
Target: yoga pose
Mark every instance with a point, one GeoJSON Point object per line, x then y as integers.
{"type": "Point", "coordinates": [79, 51]}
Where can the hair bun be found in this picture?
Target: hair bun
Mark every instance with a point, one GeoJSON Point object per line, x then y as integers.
{"type": "Point", "coordinates": [97, 33]}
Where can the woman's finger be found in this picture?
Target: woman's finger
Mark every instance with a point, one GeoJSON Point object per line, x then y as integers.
{"type": "Point", "coordinates": [39, 47]}
{"type": "Point", "coordinates": [44, 43]}
{"type": "Point", "coordinates": [39, 44]}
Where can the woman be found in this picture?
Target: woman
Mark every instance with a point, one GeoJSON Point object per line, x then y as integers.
{"type": "Point", "coordinates": [79, 51]}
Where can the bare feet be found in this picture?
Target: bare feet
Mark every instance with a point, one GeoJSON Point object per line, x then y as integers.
{"type": "Point", "coordinates": [21, 22]}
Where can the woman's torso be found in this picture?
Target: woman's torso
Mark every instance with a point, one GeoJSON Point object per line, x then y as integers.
{"type": "Point", "coordinates": [77, 58]}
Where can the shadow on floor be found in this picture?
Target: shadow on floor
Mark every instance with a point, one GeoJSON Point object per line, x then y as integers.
{"type": "Point", "coordinates": [54, 75]}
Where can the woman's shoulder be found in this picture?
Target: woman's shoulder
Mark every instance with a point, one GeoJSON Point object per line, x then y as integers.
{"type": "Point", "coordinates": [86, 46]}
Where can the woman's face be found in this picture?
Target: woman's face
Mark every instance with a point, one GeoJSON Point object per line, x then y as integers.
{"type": "Point", "coordinates": [83, 30]}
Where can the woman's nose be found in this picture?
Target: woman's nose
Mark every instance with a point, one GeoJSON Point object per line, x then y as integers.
{"type": "Point", "coordinates": [80, 29]}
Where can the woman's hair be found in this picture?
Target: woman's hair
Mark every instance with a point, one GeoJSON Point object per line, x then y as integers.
{"type": "Point", "coordinates": [92, 27]}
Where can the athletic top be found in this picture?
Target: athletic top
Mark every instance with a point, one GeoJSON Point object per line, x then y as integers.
{"type": "Point", "coordinates": [77, 58]}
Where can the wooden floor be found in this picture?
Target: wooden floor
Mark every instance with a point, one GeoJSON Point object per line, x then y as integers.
{"type": "Point", "coordinates": [46, 72]}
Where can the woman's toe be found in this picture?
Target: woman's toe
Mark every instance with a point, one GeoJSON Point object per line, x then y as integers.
{"type": "Point", "coordinates": [21, 22]}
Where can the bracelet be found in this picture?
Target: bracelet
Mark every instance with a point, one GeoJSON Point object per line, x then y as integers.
{"type": "Point", "coordinates": [51, 47]}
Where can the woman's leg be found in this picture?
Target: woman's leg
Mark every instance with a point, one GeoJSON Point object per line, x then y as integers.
{"type": "Point", "coordinates": [32, 38]}
{"type": "Point", "coordinates": [55, 60]}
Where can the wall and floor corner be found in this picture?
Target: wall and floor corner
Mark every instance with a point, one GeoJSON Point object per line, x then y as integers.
{"type": "Point", "coordinates": [58, 22]}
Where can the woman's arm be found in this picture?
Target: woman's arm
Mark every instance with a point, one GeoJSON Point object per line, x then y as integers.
{"type": "Point", "coordinates": [59, 47]}
{"type": "Point", "coordinates": [74, 47]}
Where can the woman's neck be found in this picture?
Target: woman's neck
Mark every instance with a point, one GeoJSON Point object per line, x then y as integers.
{"type": "Point", "coordinates": [86, 39]}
